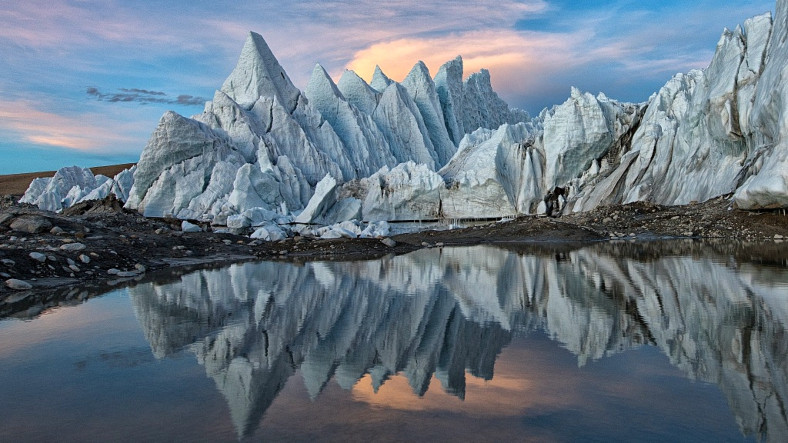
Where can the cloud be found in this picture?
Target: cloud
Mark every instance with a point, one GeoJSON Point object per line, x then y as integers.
{"type": "Point", "coordinates": [144, 96]}
{"type": "Point", "coordinates": [83, 132]}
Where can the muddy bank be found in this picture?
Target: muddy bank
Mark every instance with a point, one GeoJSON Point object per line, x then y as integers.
{"type": "Point", "coordinates": [97, 245]}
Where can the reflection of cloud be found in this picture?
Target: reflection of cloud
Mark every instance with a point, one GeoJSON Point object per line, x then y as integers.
{"type": "Point", "coordinates": [520, 383]}
{"type": "Point", "coordinates": [145, 96]}
{"type": "Point", "coordinates": [84, 132]}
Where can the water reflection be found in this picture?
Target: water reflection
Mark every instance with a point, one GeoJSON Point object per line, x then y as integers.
{"type": "Point", "coordinates": [446, 312]}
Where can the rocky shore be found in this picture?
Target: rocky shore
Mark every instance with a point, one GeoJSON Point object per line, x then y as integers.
{"type": "Point", "coordinates": [99, 244]}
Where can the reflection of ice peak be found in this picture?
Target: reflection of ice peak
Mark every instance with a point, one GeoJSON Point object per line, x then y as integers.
{"type": "Point", "coordinates": [253, 325]}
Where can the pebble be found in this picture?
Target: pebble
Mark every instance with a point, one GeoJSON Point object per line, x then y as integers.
{"type": "Point", "coordinates": [227, 242]}
{"type": "Point", "coordinates": [19, 285]}
{"type": "Point", "coordinates": [70, 262]}
{"type": "Point", "coordinates": [57, 230]}
{"type": "Point", "coordinates": [72, 247]}
{"type": "Point", "coordinates": [140, 267]}
{"type": "Point", "coordinates": [84, 258]}
{"type": "Point", "coordinates": [74, 268]}
{"type": "Point", "coordinates": [37, 256]}
{"type": "Point", "coordinates": [389, 242]}
{"type": "Point", "coordinates": [8, 262]}
{"type": "Point", "coordinates": [51, 258]}
{"type": "Point", "coordinates": [778, 237]}
{"type": "Point", "coordinates": [113, 271]}
{"type": "Point", "coordinates": [125, 274]}
{"type": "Point", "coordinates": [178, 248]}
{"type": "Point", "coordinates": [5, 275]}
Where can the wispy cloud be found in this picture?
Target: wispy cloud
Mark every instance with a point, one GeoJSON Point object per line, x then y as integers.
{"type": "Point", "coordinates": [534, 49]}
{"type": "Point", "coordinates": [144, 96]}
{"type": "Point", "coordinates": [84, 132]}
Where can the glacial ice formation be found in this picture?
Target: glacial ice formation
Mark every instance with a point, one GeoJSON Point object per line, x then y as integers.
{"type": "Point", "coordinates": [263, 143]}
{"type": "Point", "coordinates": [458, 151]}
{"type": "Point", "coordinates": [72, 185]}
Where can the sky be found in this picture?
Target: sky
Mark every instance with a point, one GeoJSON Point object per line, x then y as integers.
{"type": "Point", "coordinates": [84, 82]}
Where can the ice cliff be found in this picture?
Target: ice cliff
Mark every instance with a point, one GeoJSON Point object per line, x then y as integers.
{"type": "Point", "coordinates": [444, 147]}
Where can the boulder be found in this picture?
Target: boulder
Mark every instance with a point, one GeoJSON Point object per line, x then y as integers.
{"type": "Point", "coordinates": [31, 224]}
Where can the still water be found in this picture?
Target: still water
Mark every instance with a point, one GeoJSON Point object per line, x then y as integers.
{"type": "Point", "coordinates": [662, 342]}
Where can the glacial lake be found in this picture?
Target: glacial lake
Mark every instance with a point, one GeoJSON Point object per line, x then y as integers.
{"type": "Point", "coordinates": [609, 342]}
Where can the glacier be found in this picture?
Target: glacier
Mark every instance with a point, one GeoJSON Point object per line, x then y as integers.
{"type": "Point", "coordinates": [442, 147]}
{"type": "Point", "coordinates": [72, 185]}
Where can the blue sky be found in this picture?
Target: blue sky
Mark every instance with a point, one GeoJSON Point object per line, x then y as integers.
{"type": "Point", "coordinates": [85, 82]}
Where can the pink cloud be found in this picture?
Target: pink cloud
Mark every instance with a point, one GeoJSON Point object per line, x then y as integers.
{"type": "Point", "coordinates": [519, 62]}
{"type": "Point", "coordinates": [85, 132]}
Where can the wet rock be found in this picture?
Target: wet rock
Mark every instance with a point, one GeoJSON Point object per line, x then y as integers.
{"type": "Point", "coordinates": [389, 242]}
{"type": "Point", "coordinates": [72, 247]}
{"type": "Point", "coordinates": [5, 217]}
{"type": "Point", "coordinates": [8, 262]}
{"type": "Point", "coordinates": [140, 267]}
{"type": "Point", "coordinates": [31, 224]}
{"type": "Point", "coordinates": [127, 274]}
{"type": "Point", "coordinates": [57, 230]}
{"type": "Point", "coordinates": [18, 285]}
{"type": "Point", "coordinates": [84, 259]}
{"type": "Point", "coordinates": [37, 256]}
